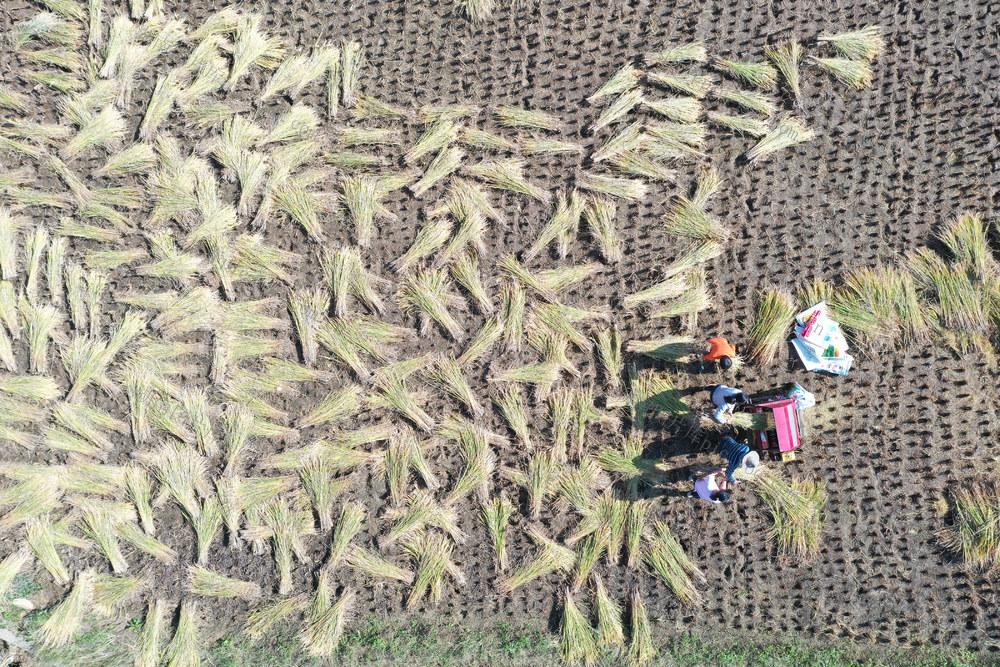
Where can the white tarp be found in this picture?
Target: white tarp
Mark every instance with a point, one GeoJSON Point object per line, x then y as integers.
{"type": "Point", "coordinates": [823, 347]}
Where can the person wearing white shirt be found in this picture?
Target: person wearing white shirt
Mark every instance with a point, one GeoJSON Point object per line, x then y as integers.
{"type": "Point", "coordinates": [725, 399]}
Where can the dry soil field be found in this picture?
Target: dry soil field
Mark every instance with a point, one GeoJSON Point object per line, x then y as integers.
{"type": "Point", "coordinates": [206, 265]}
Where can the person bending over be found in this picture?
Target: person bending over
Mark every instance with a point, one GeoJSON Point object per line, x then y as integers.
{"type": "Point", "coordinates": [725, 399]}
{"type": "Point", "coordinates": [720, 350]}
{"type": "Point", "coordinates": [734, 452]}
{"type": "Point", "coordinates": [710, 488]}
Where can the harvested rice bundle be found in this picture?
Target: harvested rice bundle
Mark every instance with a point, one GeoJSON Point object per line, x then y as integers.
{"type": "Point", "coordinates": [854, 73]}
{"type": "Point", "coordinates": [495, 514]}
{"type": "Point", "coordinates": [788, 132]}
{"type": "Point", "coordinates": [508, 174]}
{"type": "Point", "coordinates": [774, 313]}
{"type": "Point", "coordinates": [863, 44]}
{"type": "Point", "coordinates": [742, 124]}
{"type": "Point", "coordinates": [509, 116]}
{"type": "Point", "coordinates": [786, 59]}
{"type": "Point", "coordinates": [757, 74]}
{"type": "Point", "coordinates": [618, 109]}
{"type": "Point", "coordinates": [695, 85]}
{"type": "Point", "coordinates": [621, 81]}
{"type": "Point", "coordinates": [551, 558]}
{"type": "Point", "coordinates": [691, 52]}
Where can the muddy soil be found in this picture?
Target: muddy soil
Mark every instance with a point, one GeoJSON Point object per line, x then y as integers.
{"type": "Point", "coordinates": [891, 163]}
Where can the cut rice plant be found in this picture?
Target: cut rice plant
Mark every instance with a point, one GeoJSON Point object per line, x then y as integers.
{"type": "Point", "coordinates": [695, 85]}
{"type": "Point", "coordinates": [785, 58]}
{"type": "Point", "coordinates": [38, 388]}
{"type": "Point", "coordinates": [10, 99]}
{"type": "Point", "coordinates": [789, 131]}
{"type": "Point", "coordinates": [881, 306]}
{"type": "Point", "coordinates": [432, 555]}
{"type": "Point", "coordinates": [212, 584]}
{"type": "Point", "coordinates": [427, 295]}
{"type": "Point", "coordinates": [742, 124]}
{"type": "Point", "coordinates": [368, 136]}
{"type": "Point", "coordinates": [370, 563]}
{"type": "Point", "coordinates": [352, 518]}
{"type": "Point", "coordinates": [749, 100]}
{"type": "Point", "coordinates": [308, 309]}
{"type": "Point", "coordinates": [183, 473]}
{"type": "Point", "coordinates": [206, 524]}
{"type": "Point", "coordinates": [863, 44]}
{"type": "Point", "coordinates": [672, 349]}
{"type": "Point", "coordinates": [563, 278]}
{"type": "Point", "coordinates": [447, 161]}
{"type": "Point", "coordinates": [430, 238]}
{"type": "Point", "coordinates": [183, 650]}
{"type": "Point", "coordinates": [421, 510]}
{"type": "Point", "coordinates": [263, 618]}
{"type": "Point", "coordinates": [631, 138]}
{"type": "Point", "coordinates": [325, 626]}
{"type": "Point", "coordinates": [679, 109]}
{"type": "Point", "coordinates": [609, 354]}
{"type": "Point", "coordinates": [796, 512]}
{"type": "Point", "coordinates": [552, 557]}
{"type": "Point", "coordinates": [285, 524]}
{"type": "Point", "coordinates": [495, 514]}
{"type": "Point", "coordinates": [670, 288]}
{"type": "Point", "coordinates": [610, 631]}
{"type": "Point", "coordinates": [690, 219]}
{"type": "Point", "coordinates": [563, 224]}
{"type": "Point", "coordinates": [685, 53]}
{"type": "Point", "coordinates": [618, 109]}
{"type": "Point", "coordinates": [477, 139]}
{"type": "Point", "coordinates": [346, 274]}
{"type": "Point", "coordinates": [10, 566]}
{"type": "Point", "coordinates": [352, 160]}
{"type": "Point", "coordinates": [361, 197]}
{"type": "Point", "coordinates": [635, 531]}
{"type": "Point", "coordinates": [509, 116]}
{"type": "Point", "coordinates": [67, 617]}
{"type": "Point", "coordinates": [480, 461]}
{"type": "Point", "coordinates": [47, 27]}
{"type": "Point", "coordinates": [252, 47]}
{"type": "Point", "coordinates": [653, 392]}
{"type": "Point", "coordinates": [590, 552]}
{"type": "Point", "coordinates": [437, 138]}
{"type": "Point", "coordinates": [578, 642]}
{"type": "Point", "coordinates": [446, 372]}
{"type": "Point", "coordinates": [641, 649]}
{"type": "Point", "coordinates": [629, 189]}
{"type": "Point", "coordinates": [561, 410]}
{"type": "Point", "coordinates": [508, 174]}
{"type": "Point", "coordinates": [339, 404]}
{"type": "Point", "coordinates": [773, 315]}
{"type": "Point", "coordinates": [465, 270]}
{"type": "Point", "coordinates": [667, 559]}
{"type": "Point", "coordinates": [757, 74]}
{"type": "Point", "coordinates": [854, 73]}
{"type": "Point", "coordinates": [40, 536]}
{"type": "Point", "coordinates": [492, 330]}
{"type": "Point", "coordinates": [634, 163]}
{"type": "Point", "coordinates": [369, 107]}
{"type": "Point", "coordinates": [107, 127]}
{"type": "Point", "coordinates": [351, 59]}
{"type": "Point", "coordinates": [150, 649]}
{"type": "Point", "coordinates": [621, 81]}
{"type": "Point", "coordinates": [538, 479]}
{"type": "Point", "coordinates": [972, 533]}
{"type": "Point", "coordinates": [535, 146]}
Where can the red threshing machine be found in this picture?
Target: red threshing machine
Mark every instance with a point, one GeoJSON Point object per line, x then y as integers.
{"type": "Point", "coordinates": [780, 434]}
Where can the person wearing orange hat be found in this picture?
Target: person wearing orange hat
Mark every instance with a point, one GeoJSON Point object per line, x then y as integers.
{"type": "Point", "coordinates": [720, 351]}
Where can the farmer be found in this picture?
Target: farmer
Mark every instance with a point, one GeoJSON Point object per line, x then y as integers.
{"type": "Point", "coordinates": [725, 399]}
{"type": "Point", "coordinates": [738, 455]}
{"type": "Point", "coordinates": [720, 350]}
{"type": "Point", "coordinates": [710, 488]}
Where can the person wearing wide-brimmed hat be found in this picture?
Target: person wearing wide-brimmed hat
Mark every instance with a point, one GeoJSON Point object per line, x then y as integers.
{"type": "Point", "coordinates": [738, 455]}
